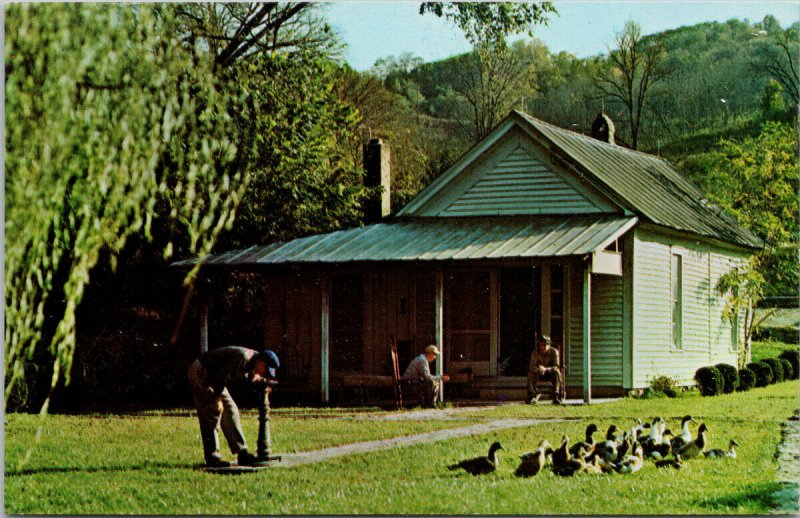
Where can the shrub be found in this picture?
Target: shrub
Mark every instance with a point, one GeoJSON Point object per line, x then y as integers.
{"type": "Point", "coordinates": [763, 373]}
{"type": "Point", "coordinates": [788, 369]}
{"type": "Point", "coordinates": [793, 356]}
{"type": "Point", "coordinates": [663, 385]}
{"type": "Point", "coordinates": [710, 380]}
{"type": "Point", "coordinates": [747, 379]}
{"type": "Point", "coordinates": [730, 375]}
{"type": "Point", "coordinates": [777, 369]}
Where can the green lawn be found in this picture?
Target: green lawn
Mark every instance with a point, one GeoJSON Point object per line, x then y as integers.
{"type": "Point", "coordinates": [145, 464]}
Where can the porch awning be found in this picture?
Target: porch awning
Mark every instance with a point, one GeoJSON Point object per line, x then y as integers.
{"type": "Point", "coordinates": [438, 239]}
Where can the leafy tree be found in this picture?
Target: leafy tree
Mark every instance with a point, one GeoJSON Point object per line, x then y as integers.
{"type": "Point", "coordinates": [635, 66]}
{"type": "Point", "coordinates": [491, 22]}
{"type": "Point", "coordinates": [111, 121]}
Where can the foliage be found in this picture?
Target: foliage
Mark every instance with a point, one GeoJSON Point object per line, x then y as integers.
{"type": "Point", "coordinates": [663, 385]}
{"type": "Point", "coordinates": [120, 464]}
{"type": "Point", "coordinates": [762, 371]}
{"type": "Point", "coordinates": [788, 368]}
{"type": "Point", "coordinates": [777, 56]}
{"type": "Point", "coordinates": [747, 379]}
{"type": "Point", "coordinates": [710, 381]}
{"type": "Point", "coordinates": [300, 180]}
{"type": "Point", "coordinates": [730, 375]}
{"type": "Point", "coordinates": [491, 22]}
{"type": "Point", "coordinates": [777, 369]}
{"type": "Point", "coordinates": [111, 121]}
{"type": "Point", "coordinates": [634, 68]}
{"type": "Point", "coordinates": [793, 357]}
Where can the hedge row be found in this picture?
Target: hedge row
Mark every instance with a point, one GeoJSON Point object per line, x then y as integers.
{"type": "Point", "coordinates": [724, 379]}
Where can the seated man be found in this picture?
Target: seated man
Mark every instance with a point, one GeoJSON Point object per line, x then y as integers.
{"type": "Point", "coordinates": [419, 369]}
{"type": "Point", "coordinates": [208, 377]}
{"type": "Point", "coordinates": [544, 366]}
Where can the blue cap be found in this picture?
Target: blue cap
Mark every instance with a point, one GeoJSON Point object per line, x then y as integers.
{"type": "Point", "coordinates": [269, 357]}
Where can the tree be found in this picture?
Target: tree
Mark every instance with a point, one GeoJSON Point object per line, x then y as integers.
{"type": "Point", "coordinates": [635, 66]}
{"type": "Point", "coordinates": [492, 82]}
{"type": "Point", "coordinates": [777, 56]}
{"type": "Point", "coordinates": [755, 179]}
{"type": "Point", "coordinates": [111, 122]}
{"type": "Point", "coordinates": [243, 31]}
{"type": "Point", "coordinates": [490, 23]}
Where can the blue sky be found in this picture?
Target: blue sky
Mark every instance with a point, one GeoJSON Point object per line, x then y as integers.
{"type": "Point", "coordinates": [378, 29]}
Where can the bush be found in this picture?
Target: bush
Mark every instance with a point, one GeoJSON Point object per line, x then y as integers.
{"type": "Point", "coordinates": [710, 380]}
{"type": "Point", "coordinates": [793, 357]}
{"type": "Point", "coordinates": [763, 373]}
{"type": "Point", "coordinates": [663, 385]}
{"type": "Point", "coordinates": [777, 369]}
{"type": "Point", "coordinates": [788, 369]}
{"type": "Point", "coordinates": [747, 379]}
{"type": "Point", "coordinates": [730, 376]}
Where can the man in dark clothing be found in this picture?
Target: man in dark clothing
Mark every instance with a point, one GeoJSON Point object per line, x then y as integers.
{"type": "Point", "coordinates": [208, 377]}
{"type": "Point", "coordinates": [544, 366]}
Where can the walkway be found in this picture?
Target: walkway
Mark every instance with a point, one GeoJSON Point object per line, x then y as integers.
{"type": "Point", "coordinates": [295, 459]}
{"type": "Point", "coordinates": [787, 500]}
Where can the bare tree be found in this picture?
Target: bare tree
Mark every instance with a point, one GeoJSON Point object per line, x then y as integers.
{"type": "Point", "coordinates": [239, 31]}
{"type": "Point", "coordinates": [635, 66]}
{"type": "Point", "coordinates": [493, 81]}
{"type": "Point", "coordinates": [778, 57]}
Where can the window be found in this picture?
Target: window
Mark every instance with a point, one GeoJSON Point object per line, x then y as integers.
{"type": "Point", "coordinates": [677, 300]}
{"type": "Point", "coordinates": [735, 331]}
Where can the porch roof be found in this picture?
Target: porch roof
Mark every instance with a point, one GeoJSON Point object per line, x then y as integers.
{"type": "Point", "coordinates": [438, 239]}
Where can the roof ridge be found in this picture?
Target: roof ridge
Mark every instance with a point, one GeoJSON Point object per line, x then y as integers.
{"type": "Point", "coordinates": [591, 139]}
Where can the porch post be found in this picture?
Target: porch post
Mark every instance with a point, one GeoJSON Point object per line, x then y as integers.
{"type": "Point", "coordinates": [587, 333]}
{"type": "Point", "coordinates": [203, 309]}
{"type": "Point", "coordinates": [324, 331]}
{"type": "Point", "coordinates": [439, 318]}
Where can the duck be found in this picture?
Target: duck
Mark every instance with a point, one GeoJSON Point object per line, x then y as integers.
{"type": "Point", "coordinates": [686, 435]}
{"type": "Point", "coordinates": [632, 463]}
{"type": "Point", "coordinates": [656, 431]}
{"type": "Point", "coordinates": [659, 451]}
{"type": "Point", "coordinates": [561, 455]}
{"type": "Point", "coordinates": [607, 449]}
{"type": "Point", "coordinates": [532, 463]}
{"type": "Point", "coordinates": [636, 430]}
{"type": "Point", "coordinates": [697, 446]}
{"type": "Point", "coordinates": [573, 465]}
{"type": "Point", "coordinates": [588, 444]}
{"type": "Point", "coordinates": [676, 462]}
{"type": "Point", "coordinates": [719, 453]}
{"type": "Point", "coordinates": [594, 468]}
{"type": "Point", "coordinates": [623, 448]}
{"type": "Point", "coordinates": [480, 465]}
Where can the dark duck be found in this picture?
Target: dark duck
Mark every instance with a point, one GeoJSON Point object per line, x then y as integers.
{"type": "Point", "coordinates": [480, 465]}
{"type": "Point", "coordinates": [532, 463]}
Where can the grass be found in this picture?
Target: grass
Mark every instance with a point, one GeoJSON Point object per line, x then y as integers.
{"type": "Point", "coordinates": [144, 464]}
{"type": "Point", "coordinates": [769, 349]}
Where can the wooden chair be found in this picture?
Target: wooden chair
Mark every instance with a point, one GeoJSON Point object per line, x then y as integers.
{"type": "Point", "coordinates": [401, 385]}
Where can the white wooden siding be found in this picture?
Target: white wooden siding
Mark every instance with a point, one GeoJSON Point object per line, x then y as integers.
{"type": "Point", "coordinates": [706, 337]}
{"type": "Point", "coordinates": [520, 184]}
{"type": "Point", "coordinates": [607, 331]}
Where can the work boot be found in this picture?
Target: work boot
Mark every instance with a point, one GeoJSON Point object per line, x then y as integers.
{"type": "Point", "coordinates": [535, 399]}
{"type": "Point", "coordinates": [217, 462]}
{"type": "Point", "coordinates": [246, 458]}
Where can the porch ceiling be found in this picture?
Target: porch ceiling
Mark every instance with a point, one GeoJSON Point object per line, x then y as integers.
{"type": "Point", "coordinates": [438, 239]}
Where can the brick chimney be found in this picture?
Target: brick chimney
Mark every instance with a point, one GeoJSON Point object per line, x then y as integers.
{"type": "Point", "coordinates": [603, 128]}
{"type": "Point", "coordinates": [376, 165]}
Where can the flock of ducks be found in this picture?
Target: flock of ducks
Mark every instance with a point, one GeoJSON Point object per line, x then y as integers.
{"type": "Point", "coordinates": [613, 454]}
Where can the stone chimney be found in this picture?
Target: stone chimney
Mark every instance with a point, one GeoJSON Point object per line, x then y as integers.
{"type": "Point", "coordinates": [603, 128]}
{"type": "Point", "coordinates": [376, 165]}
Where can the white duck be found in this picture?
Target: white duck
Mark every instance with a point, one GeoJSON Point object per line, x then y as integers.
{"type": "Point", "coordinates": [685, 436]}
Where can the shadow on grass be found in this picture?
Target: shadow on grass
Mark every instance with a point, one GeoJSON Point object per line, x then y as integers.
{"type": "Point", "coordinates": [100, 469]}
{"type": "Point", "coordinates": [764, 494]}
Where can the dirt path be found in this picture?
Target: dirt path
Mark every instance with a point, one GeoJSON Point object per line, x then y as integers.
{"type": "Point", "coordinates": [787, 500]}
{"type": "Point", "coordinates": [307, 457]}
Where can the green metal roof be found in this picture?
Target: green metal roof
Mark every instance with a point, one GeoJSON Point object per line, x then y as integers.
{"type": "Point", "coordinates": [438, 239]}
{"type": "Point", "coordinates": [649, 184]}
